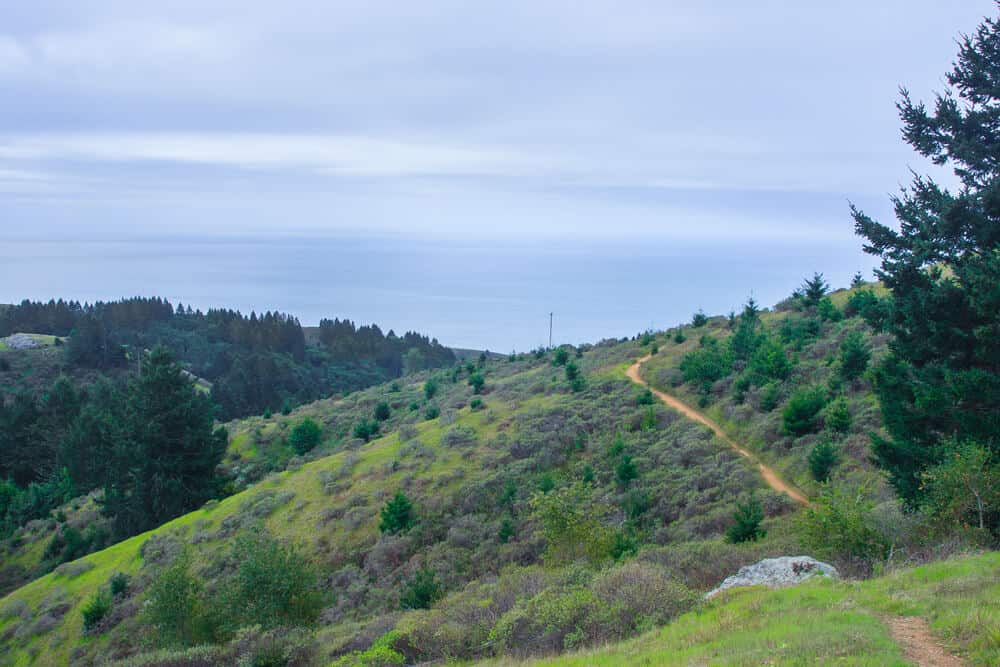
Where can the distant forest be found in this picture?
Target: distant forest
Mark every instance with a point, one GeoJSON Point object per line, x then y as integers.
{"type": "Point", "coordinates": [255, 363]}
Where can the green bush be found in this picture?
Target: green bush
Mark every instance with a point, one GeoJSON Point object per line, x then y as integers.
{"type": "Point", "coordinates": [747, 518]}
{"type": "Point", "coordinates": [432, 412]}
{"type": "Point", "coordinates": [822, 460]}
{"type": "Point", "coordinates": [397, 514]}
{"type": "Point", "coordinates": [699, 319]}
{"type": "Point", "coordinates": [679, 337]}
{"type": "Point", "coordinates": [854, 356]}
{"type": "Point", "coordinates": [382, 411]}
{"type": "Point", "coordinates": [176, 609]}
{"type": "Point", "coordinates": [801, 411]}
{"type": "Point", "coordinates": [476, 404]}
{"type": "Point", "coordinates": [626, 471]}
{"type": "Point", "coordinates": [430, 388]}
{"type": "Point", "coordinates": [706, 365]}
{"type": "Point", "coordinates": [118, 584]}
{"type": "Point", "coordinates": [305, 436]}
{"type": "Point", "coordinates": [837, 416]}
{"type": "Point", "coordinates": [560, 357]}
{"type": "Point", "coordinates": [366, 429]}
{"type": "Point", "coordinates": [572, 523]}
{"type": "Point", "coordinates": [274, 585]}
{"type": "Point", "coordinates": [421, 591]}
{"type": "Point", "coordinates": [770, 396]}
{"type": "Point", "coordinates": [827, 311]}
{"type": "Point", "coordinates": [95, 609]}
{"type": "Point", "coordinates": [840, 525]}
{"type": "Point", "coordinates": [476, 381]}
{"type": "Point", "coordinates": [645, 397]}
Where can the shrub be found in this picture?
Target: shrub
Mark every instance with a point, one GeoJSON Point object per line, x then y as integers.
{"type": "Point", "coordinates": [477, 382]}
{"type": "Point", "coordinates": [854, 356]}
{"type": "Point", "coordinates": [964, 489]}
{"type": "Point", "coordinates": [305, 436]}
{"type": "Point", "coordinates": [827, 311]}
{"type": "Point", "coordinates": [430, 388]}
{"type": "Point", "coordinates": [840, 525]}
{"type": "Point", "coordinates": [432, 412]}
{"type": "Point", "coordinates": [799, 415]}
{"type": "Point", "coordinates": [837, 417]}
{"type": "Point", "coordinates": [274, 585]}
{"type": "Point", "coordinates": [96, 608]}
{"type": "Point", "coordinates": [175, 607]}
{"type": "Point", "coordinates": [626, 471]}
{"type": "Point", "coordinates": [706, 365]}
{"type": "Point", "coordinates": [572, 371]}
{"type": "Point", "coordinates": [397, 514]}
{"type": "Point", "coordinates": [546, 482]}
{"type": "Point", "coordinates": [506, 531]}
{"type": "Point", "coordinates": [748, 518]}
{"type": "Point", "coordinates": [822, 459]}
{"type": "Point", "coordinates": [645, 397]}
{"type": "Point", "coordinates": [382, 411]}
{"type": "Point", "coordinates": [476, 404]}
{"type": "Point", "coordinates": [699, 319]}
{"type": "Point", "coordinates": [560, 357]}
{"type": "Point", "coordinates": [286, 407]}
{"type": "Point", "coordinates": [770, 396]}
{"type": "Point", "coordinates": [572, 522]}
{"type": "Point", "coordinates": [366, 429]}
{"type": "Point", "coordinates": [679, 337]}
{"type": "Point", "coordinates": [421, 591]}
{"type": "Point", "coordinates": [118, 584]}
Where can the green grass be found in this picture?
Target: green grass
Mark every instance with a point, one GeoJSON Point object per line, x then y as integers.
{"type": "Point", "coordinates": [825, 622]}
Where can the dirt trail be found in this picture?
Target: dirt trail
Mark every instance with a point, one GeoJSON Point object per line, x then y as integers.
{"type": "Point", "coordinates": [770, 476]}
{"type": "Point", "coordinates": [919, 646]}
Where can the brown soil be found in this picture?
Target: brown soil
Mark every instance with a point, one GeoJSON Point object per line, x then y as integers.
{"type": "Point", "coordinates": [770, 476]}
{"type": "Point", "coordinates": [919, 645]}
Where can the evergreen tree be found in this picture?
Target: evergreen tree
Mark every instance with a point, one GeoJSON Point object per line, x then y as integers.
{"type": "Point", "coordinates": [822, 459]}
{"type": "Point", "coordinates": [165, 464]}
{"type": "Point", "coordinates": [854, 356]}
{"type": "Point", "coordinates": [942, 377]}
{"type": "Point", "coordinates": [397, 515]}
{"type": "Point", "coordinates": [813, 290]}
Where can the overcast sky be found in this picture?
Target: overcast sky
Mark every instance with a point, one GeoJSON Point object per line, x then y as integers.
{"type": "Point", "coordinates": [694, 120]}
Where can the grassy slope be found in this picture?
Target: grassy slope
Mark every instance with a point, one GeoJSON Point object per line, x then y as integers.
{"type": "Point", "coordinates": [330, 504]}
{"type": "Point", "coordinates": [825, 622]}
{"type": "Point", "coordinates": [761, 431]}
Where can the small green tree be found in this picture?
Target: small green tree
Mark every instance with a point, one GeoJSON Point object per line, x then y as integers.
{"type": "Point", "coordinates": [382, 411]}
{"type": "Point", "coordinates": [837, 416]}
{"type": "Point", "coordinates": [822, 460]}
{"type": "Point", "coordinates": [118, 583]}
{"type": "Point", "coordinates": [813, 290]}
{"type": "Point", "coordinates": [645, 397]}
{"type": "Point", "coordinates": [175, 607]}
{"type": "Point", "coordinates": [430, 388]}
{"type": "Point", "coordinates": [854, 356]}
{"type": "Point", "coordinates": [397, 515]}
{"type": "Point", "coordinates": [366, 429]}
{"type": "Point", "coordinates": [432, 412]}
{"type": "Point", "coordinates": [699, 319]}
{"type": "Point", "coordinates": [476, 381]}
{"type": "Point", "coordinates": [274, 585]}
{"type": "Point", "coordinates": [679, 337]}
{"type": "Point", "coordinates": [96, 608]}
{"type": "Point", "coordinates": [747, 518]}
{"type": "Point", "coordinates": [857, 281]}
{"type": "Point", "coordinates": [305, 436]}
{"type": "Point", "coordinates": [799, 415]}
{"type": "Point", "coordinates": [560, 357]}
{"type": "Point", "coordinates": [964, 489]}
{"type": "Point", "coordinates": [626, 471]}
{"type": "Point", "coordinates": [840, 524]}
{"type": "Point", "coordinates": [421, 591]}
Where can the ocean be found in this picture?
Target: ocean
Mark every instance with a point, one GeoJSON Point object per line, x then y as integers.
{"type": "Point", "coordinates": [481, 295]}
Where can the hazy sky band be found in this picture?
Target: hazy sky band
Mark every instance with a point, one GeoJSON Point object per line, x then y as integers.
{"type": "Point", "coordinates": [458, 120]}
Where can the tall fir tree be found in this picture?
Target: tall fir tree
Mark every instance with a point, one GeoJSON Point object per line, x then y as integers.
{"type": "Point", "coordinates": [941, 380]}
{"type": "Point", "coordinates": [164, 465]}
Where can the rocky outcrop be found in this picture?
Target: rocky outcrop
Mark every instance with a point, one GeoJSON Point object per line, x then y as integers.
{"type": "Point", "coordinates": [20, 341]}
{"type": "Point", "coordinates": [777, 572]}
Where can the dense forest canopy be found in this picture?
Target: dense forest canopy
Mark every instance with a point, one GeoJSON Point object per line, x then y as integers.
{"type": "Point", "coordinates": [255, 362]}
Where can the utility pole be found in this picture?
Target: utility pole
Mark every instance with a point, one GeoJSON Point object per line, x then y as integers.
{"type": "Point", "coordinates": [550, 331]}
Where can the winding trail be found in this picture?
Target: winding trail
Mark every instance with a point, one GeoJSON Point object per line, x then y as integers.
{"type": "Point", "coordinates": [770, 476]}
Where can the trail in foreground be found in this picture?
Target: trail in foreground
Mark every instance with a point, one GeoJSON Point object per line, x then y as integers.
{"type": "Point", "coordinates": [770, 476]}
{"type": "Point", "coordinates": [914, 636]}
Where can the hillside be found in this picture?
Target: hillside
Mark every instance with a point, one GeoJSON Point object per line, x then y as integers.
{"type": "Point", "coordinates": [555, 505]}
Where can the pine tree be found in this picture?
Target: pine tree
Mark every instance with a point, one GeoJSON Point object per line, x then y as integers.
{"type": "Point", "coordinates": [814, 289]}
{"type": "Point", "coordinates": [942, 377]}
{"type": "Point", "coordinates": [163, 465]}
{"type": "Point", "coordinates": [397, 515]}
